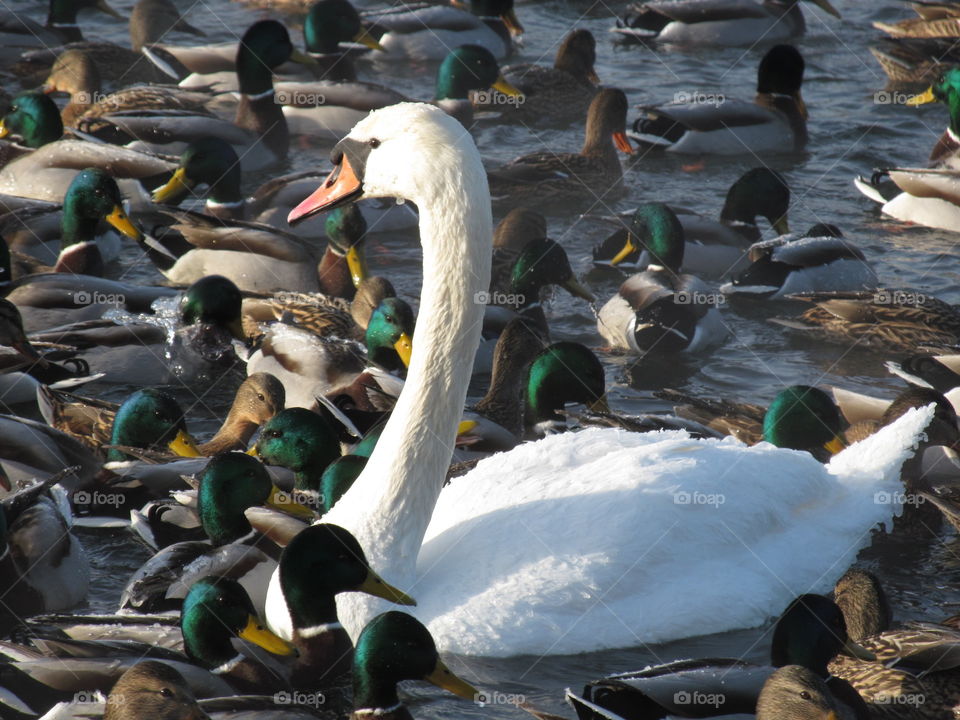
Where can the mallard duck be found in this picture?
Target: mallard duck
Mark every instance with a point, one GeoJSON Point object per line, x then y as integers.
{"type": "Point", "coordinates": [152, 689]}
{"type": "Point", "coordinates": [554, 179]}
{"type": "Point", "coordinates": [795, 692]}
{"type": "Point", "coordinates": [820, 260]}
{"type": "Point", "coordinates": [229, 484]}
{"type": "Point", "coordinates": [150, 418]}
{"type": "Point", "coordinates": [929, 196]}
{"type": "Point", "coordinates": [18, 32]}
{"type": "Point", "coordinates": [914, 60]}
{"type": "Point", "coordinates": [258, 130]}
{"type": "Point", "coordinates": [327, 23]}
{"type": "Point", "coordinates": [561, 93]}
{"type": "Point", "coordinates": [47, 172]}
{"type": "Point", "coordinates": [939, 372]}
{"type": "Point", "coordinates": [886, 319]}
{"type": "Point", "coordinates": [614, 517]}
{"type": "Point", "coordinates": [427, 32]}
{"type": "Point", "coordinates": [715, 248]}
{"type": "Point", "coordinates": [90, 420]}
{"type": "Point", "coordinates": [941, 22]}
{"type": "Point", "coordinates": [775, 122]}
{"type": "Point", "coordinates": [44, 566]}
{"type": "Point", "coordinates": [660, 309]}
{"type": "Point", "coordinates": [75, 73]}
{"type": "Point", "coordinates": [810, 632]}
{"type": "Point", "coordinates": [717, 22]}
{"type": "Point", "coordinates": [310, 366]}
{"type": "Point", "coordinates": [327, 109]}
{"type": "Point", "coordinates": [565, 372]}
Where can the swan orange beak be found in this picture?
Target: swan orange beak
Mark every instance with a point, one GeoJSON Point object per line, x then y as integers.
{"type": "Point", "coordinates": [623, 143]}
{"type": "Point", "coordinates": [342, 184]}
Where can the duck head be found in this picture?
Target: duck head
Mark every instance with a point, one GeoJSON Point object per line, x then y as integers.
{"type": "Point", "coordinates": [656, 229]}
{"type": "Point", "coordinates": [393, 647]}
{"type": "Point", "coordinates": [299, 440]}
{"type": "Point", "coordinates": [804, 418]}
{"type": "Point", "coordinates": [338, 477]}
{"type": "Point", "coordinates": [215, 611]}
{"type": "Point", "coordinates": [331, 22]}
{"type": "Point", "coordinates": [151, 418]}
{"type": "Point", "coordinates": [346, 231]}
{"type": "Point", "coordinates": [152, 689]}
{"type": "Point", "coordinates": [565, 372]}
{"type": "Point", "coordinates": [34, 118]}
{"type": "Point", "coordinates": [606, 120]}
{"type": "Point", "coordinates": [265, 45]}
{"type": "Point", "coordinates": [544, 262]}
{"type": "Point", "coordinates": [210, 161]}
{"type": "Point", "coordinates": [502, 9]}
{"type": "Point", "coordinates": [798, 694]}
{"type": "Point", "coordinates": [470, 67]}
{"type": "Point", "coordinates": [781, 73]}
{"type": "Point", "coordinates": [758, 192]}
{"type": "Point", "coordinates": [389, 336]}
{"type": "Point", "coordinates": [213, 300]}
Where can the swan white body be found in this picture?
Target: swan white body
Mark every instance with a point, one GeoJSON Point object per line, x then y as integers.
{"type": "Point", "coordinates": [543, 548]}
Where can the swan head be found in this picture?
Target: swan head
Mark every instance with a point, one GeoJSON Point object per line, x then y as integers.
{"type": "Point", "coordinates": [412, 151]}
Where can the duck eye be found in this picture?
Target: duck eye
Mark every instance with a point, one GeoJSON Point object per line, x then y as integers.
{"type": "Point", "coordinates": [374, 143]}
{"type": "Point", "coordinates": [804, 694]}
{"type": "Point", "coordinates": [166, 692]}
{"type": "Point", "coordinates": [260, 397]}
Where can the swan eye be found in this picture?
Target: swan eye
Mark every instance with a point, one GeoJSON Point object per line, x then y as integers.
{"type": "Point", "coordinates": [374, 143]}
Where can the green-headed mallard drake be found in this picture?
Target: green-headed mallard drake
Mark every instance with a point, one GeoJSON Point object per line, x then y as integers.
{"type": "Point", "coordinates": [717, 247]}
{"type": "Point", "coordinates": [560, 93]}
{"type": "Point", "coordinates": [310, 366]}
{"type": "Point", "coordinates": [717, 22]}
{"type": "Point", "coordinates": [775, 122]}
{"type": "Point", "coordinates": [44, 566]}
{"type": "Point", "coordinates": [565, 372]}
{"type": "Point", "coordinates": [660, 310]}
{"type": "Point", "coordinates": [258, 129]}
{"type": "Point", "coordinates": [150, 419]}
{"type": "Point", "coordinates": [47, 172]}
{"type": "Point", "coordinates": [800, 417]}
{"type": "Point", "coordinates": [809, 633]}
{"type": "Point", "coordinates": [211, 162]}
{"type": "Point", "coordinates": [587, 177]}
{"type": "Point", "coordinates": [799, 694]}
{"type": "Point", "coordinates": [217, 610]}
{"type": "Point", "coordinates": [90, 420]}
{"type": "Point", "coordinates": [427, 32]}
{"type": "Point", "coordinates": [928, 196]}
{"type": "Point", "coordinates": [327, 109]}
{"type": "Point", "coordinates": [820, 260]}
{"type": "Point", "coordinates": [229, 484]}
{"type": "Point", "coordinates": [394, 647]}
{"type": "Point", "coordinates": [887, 319]}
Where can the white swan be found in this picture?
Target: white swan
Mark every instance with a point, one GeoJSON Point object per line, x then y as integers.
{"type": "Point", "coordinates": [577, 542]}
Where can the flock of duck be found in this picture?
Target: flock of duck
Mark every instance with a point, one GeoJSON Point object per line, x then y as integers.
{"type": "Point", "coordinates": [350, 476]}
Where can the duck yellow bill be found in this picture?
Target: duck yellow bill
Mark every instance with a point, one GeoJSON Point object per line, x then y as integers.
{"type": "Point", "coordinates": [302, 58]}
{"type": "Point", "coordinates": [374, 585]}
{"type": "Point", "coordinates": [826, 7]}
{"type": "Point", "coordinates": [4, 130]}
{"type": "Point", "coordinates": [184, 445]}
{"type": "Point", "coordinates": [442, 677]}
{"type": "Point", "coordinates": [175, 188]}
{"type": "Point", "coordinates": [856, 650]}
{"type": "Point", "coordinates": [466, 426]}
{"type": "Point", "coordinates": [622, 142]}
{"type": "Point", "coordinates": [118, 218]}
{"type": "Point", "coordinates": [781, 226]}
{"type": "Point", "coordinates": [404, 348]}
{"type": "Point", "coordinates": [835, 445]}
{"type": "Point", "coordinates": [573, 286]}
{"type": "Point", "coordinates": [830, 716]}
{"type": "Point", "coordinates": [282, 501]}
{"type": "Point", "coordinates": [922, 99]}
{"type": "Point", "coordinates": [513, 25]}
{"type": "Point", "coordinates": [629, 247]}
{"type": "Point", "coordinates": [257, 634]}
{"type": "Point", "coordinates": [253, 451]}
{"type": "Point", "coordinates": [357, 262]}
{"type": "Point", "coordinates": [341, 185]}
{"type": "Point", "coordinates": [102, 6]}
{"type": "Point", "coordinates": [502, 86]}
{"type": "Point", "coordinates": [367, 40]}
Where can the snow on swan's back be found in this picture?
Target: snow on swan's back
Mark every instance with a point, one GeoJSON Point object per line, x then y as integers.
{"type": "Point", "coordinates": [605, 538]}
